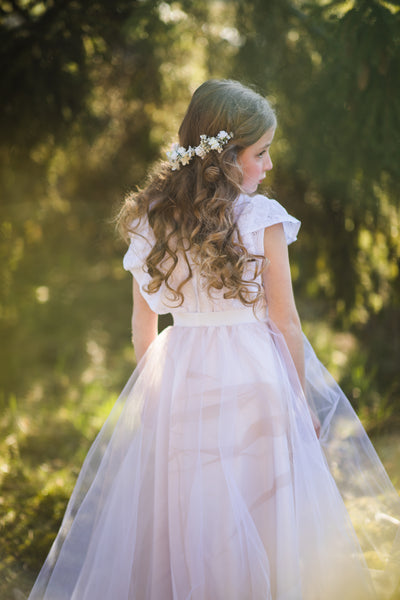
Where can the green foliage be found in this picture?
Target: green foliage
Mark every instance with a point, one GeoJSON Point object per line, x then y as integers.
{"type": "Point", "coordinates": [41, 451]}
{"type": "Point", "coordinates": [334, 69]}
{"type": "Point", "coordinates": [53, 46]}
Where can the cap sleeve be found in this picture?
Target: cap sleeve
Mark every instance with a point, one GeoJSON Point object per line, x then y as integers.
{"type": "Point", "coordinates": [259, 212]}
{"type": "Point", "coordinates": [141, 242]}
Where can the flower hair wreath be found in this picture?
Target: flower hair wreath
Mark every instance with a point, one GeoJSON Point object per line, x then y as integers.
{"type": "Point", "coordinates": [178, 155]}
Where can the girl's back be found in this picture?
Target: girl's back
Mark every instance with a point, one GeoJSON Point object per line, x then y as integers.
{"type": "Point", "coordinates": [253, 215]}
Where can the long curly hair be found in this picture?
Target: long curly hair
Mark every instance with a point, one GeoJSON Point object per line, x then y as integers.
{"type": "Point", "coordinates": [192, 210]}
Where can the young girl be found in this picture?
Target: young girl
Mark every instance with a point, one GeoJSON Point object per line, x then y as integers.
{"type": "Point", "coordinates": [222, 471]}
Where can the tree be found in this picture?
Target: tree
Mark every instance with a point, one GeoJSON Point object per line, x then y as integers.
{"type": "Point", "coordinates": [47, 50]}
{"type": "Point", "coordinates": [334, 70]}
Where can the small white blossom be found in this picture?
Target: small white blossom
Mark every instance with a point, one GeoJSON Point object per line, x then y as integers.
{"type": "Point", "coordinates": [214, 144]}
{"type": "Point", "coordinates": [185, 159]}
{"type": "Point", "coordinates": [200, 151]}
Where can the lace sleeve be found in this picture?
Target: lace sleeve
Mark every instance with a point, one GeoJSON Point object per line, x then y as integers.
{"type": "Point", "coordinates": [259, 212]}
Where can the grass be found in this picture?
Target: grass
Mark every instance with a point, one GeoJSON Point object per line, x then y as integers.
{"type": "Point", "coordinates": [41, 453]}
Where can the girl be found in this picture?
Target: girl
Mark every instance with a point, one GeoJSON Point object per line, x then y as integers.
{"type": "Point", "coordinates": [222, 471]}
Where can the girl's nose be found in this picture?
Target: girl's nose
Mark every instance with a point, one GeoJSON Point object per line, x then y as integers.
{"type": "Point", "coordinates": [268, 163]}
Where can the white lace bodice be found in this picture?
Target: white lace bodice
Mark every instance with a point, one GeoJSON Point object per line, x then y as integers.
{"type": "Point", "coordinates": [255, 214]}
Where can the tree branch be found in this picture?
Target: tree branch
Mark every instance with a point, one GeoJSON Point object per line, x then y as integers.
{"type": "Point", "coordinates": [305, 20]}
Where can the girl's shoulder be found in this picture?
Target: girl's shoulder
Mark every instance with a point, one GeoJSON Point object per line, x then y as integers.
{"type": "Point", "coordinates": [258, 212]}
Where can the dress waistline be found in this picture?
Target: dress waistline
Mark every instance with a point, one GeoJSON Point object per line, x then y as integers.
{"type": "Point", "coordinates": [217, 318]}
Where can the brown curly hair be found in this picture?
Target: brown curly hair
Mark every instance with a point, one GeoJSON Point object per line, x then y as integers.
{"type": "Point", "coordinates": [192, 209]}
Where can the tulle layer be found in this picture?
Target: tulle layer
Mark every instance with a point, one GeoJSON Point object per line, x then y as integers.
{"type": "Point", "coordinates": [207, 482]}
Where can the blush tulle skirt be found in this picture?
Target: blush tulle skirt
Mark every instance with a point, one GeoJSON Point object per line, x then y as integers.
{"type": "Point", "coordinates": [208, 482]}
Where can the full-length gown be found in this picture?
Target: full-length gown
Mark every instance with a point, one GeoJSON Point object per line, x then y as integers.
{"type": "Point", "coordinates": [208, 482]}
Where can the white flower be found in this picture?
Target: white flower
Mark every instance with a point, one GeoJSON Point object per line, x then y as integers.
{"type": "Point", "coordinates": [200, 151]}
{"type": "Point", "coordinates": [214, 144]}
{"type": "Point", "coordinates": [185, 159]}
{"type": "Point", "coordinates": [178, 155]}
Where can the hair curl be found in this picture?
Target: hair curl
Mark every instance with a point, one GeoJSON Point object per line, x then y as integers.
{"type": "Point", "coordinates": [192, 209]}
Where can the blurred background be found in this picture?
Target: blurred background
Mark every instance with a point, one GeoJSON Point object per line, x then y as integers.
{"type": "Point", "coordinates": [91, 94]}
